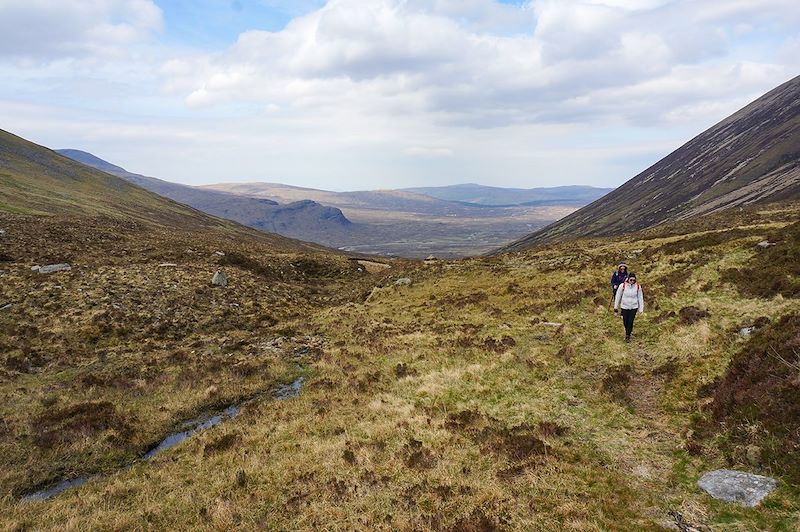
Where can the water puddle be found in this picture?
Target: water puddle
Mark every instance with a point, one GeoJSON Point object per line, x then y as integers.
{"type": "Point", "coordinates": [190, 428]}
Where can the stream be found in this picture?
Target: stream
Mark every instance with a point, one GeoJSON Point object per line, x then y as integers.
{"type": "Point", "coordinates": [189, 428]}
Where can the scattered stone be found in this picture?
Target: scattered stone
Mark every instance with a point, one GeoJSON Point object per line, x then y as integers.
{"type": "Point", "coordinates": [35, 268]}
{"type": "Point", "coordinates": [219, 253]}
{"type": "Point", "coordinates": [167, 265]}
{"type": "Point", "coordinates": [747, 331]}
{"type": "Point", "coordinates": [736, 486]}
{"type": "Point", "coordinates": [430, 259]}
{"type": "Point", "coordinates": [52, 268]}
{"type": "Point", "coordinates": [2, 231]}
{"type": "Point", "coordinates": [766, 243]}
{"type": "Point", "coordinates": [551, 324]}
{"type": "Point", "coordinates": [403, 281]}
{"type": "Point", "coordinates": [6, 306]}
{"type": "Point", "coordinates": [219, 279]}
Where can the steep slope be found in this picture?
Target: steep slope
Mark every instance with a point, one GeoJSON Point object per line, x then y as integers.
{"type": "Point", "coordinates": [753, 156]}
{"type": "Point", "coordinates": [498, 196]}
{"type": "Point", "coordinates": [36, 180]}
{"type": "Point", "coordinates": [305, 220]}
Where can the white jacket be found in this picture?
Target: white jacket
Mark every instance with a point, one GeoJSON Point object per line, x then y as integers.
{"type": "Point", "coordinates": [629, 297]}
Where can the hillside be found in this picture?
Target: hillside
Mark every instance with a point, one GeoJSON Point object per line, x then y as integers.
{"type": "Point", "coordinates": [487, 394]}
{"type": "Point", "coordinates": [497, 196]}
{"type": "Point", "coordinates": [304, 220]}
{"type": "Point", "coordinates": [751, 157]}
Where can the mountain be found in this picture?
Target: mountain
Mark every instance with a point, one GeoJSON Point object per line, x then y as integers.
{"type": "Point", "coordinates": [410, 224]}
{"type": "Point", "coordinates": [304, 220]}
{"type": "Point", "coordinates": [497, 196]}
{"type": "Point", "coordinates": [371, 200]}
{"type": "Point", "coordinates": [751, 157]}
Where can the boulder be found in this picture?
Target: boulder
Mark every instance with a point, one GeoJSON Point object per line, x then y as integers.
{"type": "Point", "coordinates": [736, 486]}
{"type": "Point", "coordinates": [52, 268]}
{"type": "Point", "coordinates": [219, 279]}
{"type": "Point", "coordinates": [167, 265]}
{"type": "Point", "coordinates": [403, 281]}
{"type": "Point", "coordinates": [765, 244]}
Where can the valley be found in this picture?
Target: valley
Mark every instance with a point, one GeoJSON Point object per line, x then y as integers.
{"type": "Point", "coordinates": [170, 369]}
{"type": "Point", "coordinates": [488, 392]}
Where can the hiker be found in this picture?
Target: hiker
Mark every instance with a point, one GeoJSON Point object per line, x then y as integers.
{"type": "Point", "coordinates": [630, 300]}
{"type": "Point", "coordinates": [618, 278]}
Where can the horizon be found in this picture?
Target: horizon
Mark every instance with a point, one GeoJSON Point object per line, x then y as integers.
{"type": "Point", "coordinates": [578, 185]}
{"type": "Point", "coordinates": [338, 96]}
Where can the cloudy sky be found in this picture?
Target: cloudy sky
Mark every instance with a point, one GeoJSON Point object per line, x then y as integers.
{"type": "Point", "coordinates": [362, 94]}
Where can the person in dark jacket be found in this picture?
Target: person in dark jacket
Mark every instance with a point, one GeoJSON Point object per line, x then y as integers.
{"type": "Point", "coordinates": [618, 278]}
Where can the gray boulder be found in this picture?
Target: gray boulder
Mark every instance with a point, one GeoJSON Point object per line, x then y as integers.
{"type": "Point", "coordinates": [219, 279]}
{"type": "Point", "coordinates": [52, 268]}
{"type": "Point", "coordinates": [403, 281]}
{"type": "Point", "coordinates": [735, 486]}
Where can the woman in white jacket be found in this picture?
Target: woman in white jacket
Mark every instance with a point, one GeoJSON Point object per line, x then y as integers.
{"type": "Point", "coordinates": [631, 300]}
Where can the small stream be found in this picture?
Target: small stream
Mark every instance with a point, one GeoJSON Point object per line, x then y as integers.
{"type": "Point", "coordinates": [190, 428]}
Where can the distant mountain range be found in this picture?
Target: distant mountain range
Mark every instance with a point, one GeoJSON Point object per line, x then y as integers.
{"type": "Point", "coordinates": [753, 156]}
{"type": "Point", "coordinates": [304, 220]}
{"type": "Point", "coordinates": [444, 200]}
{"type": "Point", "coordinates": [395, 222]}
{"type": "Point", "coordinates": [497, 196]}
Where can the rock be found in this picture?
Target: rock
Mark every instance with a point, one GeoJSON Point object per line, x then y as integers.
{"type": "Point", "coordinates": [736, 486]}
{"type": "Point", "coordinates": [551, 324]}
{"type": "Point", "coordinates": [746, 331]}
{"type": "Point", "coordinates": [765, 244]}
{"type": "Point", "coordinates": [211, 391]}
{"type": "Point", "coordinates": [6, 306]}
{"type": "Point", "coordinates": [35, 268]}
{"type": "Point", "coordinates": [403, 281]}
{"type": "Point", "coordinates": [219, 279]}
{"type": "Point", "coordinates": [430, 259]}
{"type": "Point", "coordinates": [167, 265]}
{"type": "Point", "coordinates": [52, 268]}
{"type": "Point", "coordinates": [219, 253]}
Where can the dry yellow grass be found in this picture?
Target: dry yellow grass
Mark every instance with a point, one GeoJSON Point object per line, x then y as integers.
{"type": "Point", "coordinates": [455, 403]}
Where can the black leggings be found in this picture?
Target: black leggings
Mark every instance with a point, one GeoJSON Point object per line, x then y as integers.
{"type": "Point", "coordinates": [628, 315]}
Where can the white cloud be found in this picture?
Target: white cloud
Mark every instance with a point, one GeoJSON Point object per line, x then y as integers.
{"type": "Point", "coordinates": [51, 29]}
{"type": "Point", "coordinates": [431, 57]}
{"type": "Point", "coordinates": [390, 92]}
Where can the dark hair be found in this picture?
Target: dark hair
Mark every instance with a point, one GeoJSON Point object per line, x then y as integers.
{"type": "Point", "coordinates": [631, 275]}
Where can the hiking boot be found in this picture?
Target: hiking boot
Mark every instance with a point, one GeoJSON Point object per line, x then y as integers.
{"type": "Point", "coordinates": [628, 338]}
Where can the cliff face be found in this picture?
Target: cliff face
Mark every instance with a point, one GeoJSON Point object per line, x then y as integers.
{"type": "Point", "coordinates": [753, 156]}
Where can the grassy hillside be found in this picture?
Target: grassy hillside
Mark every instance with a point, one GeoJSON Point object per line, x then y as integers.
{"type": "Point", "coordinates": [491, 393]}
{"type": "Point", "coordinates": [38, 181]}
{"type": "Point", "coordinates": [751, 157]}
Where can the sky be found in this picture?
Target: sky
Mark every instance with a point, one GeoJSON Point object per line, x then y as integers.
{"type": "Point", "coordinates": [368, 94]}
